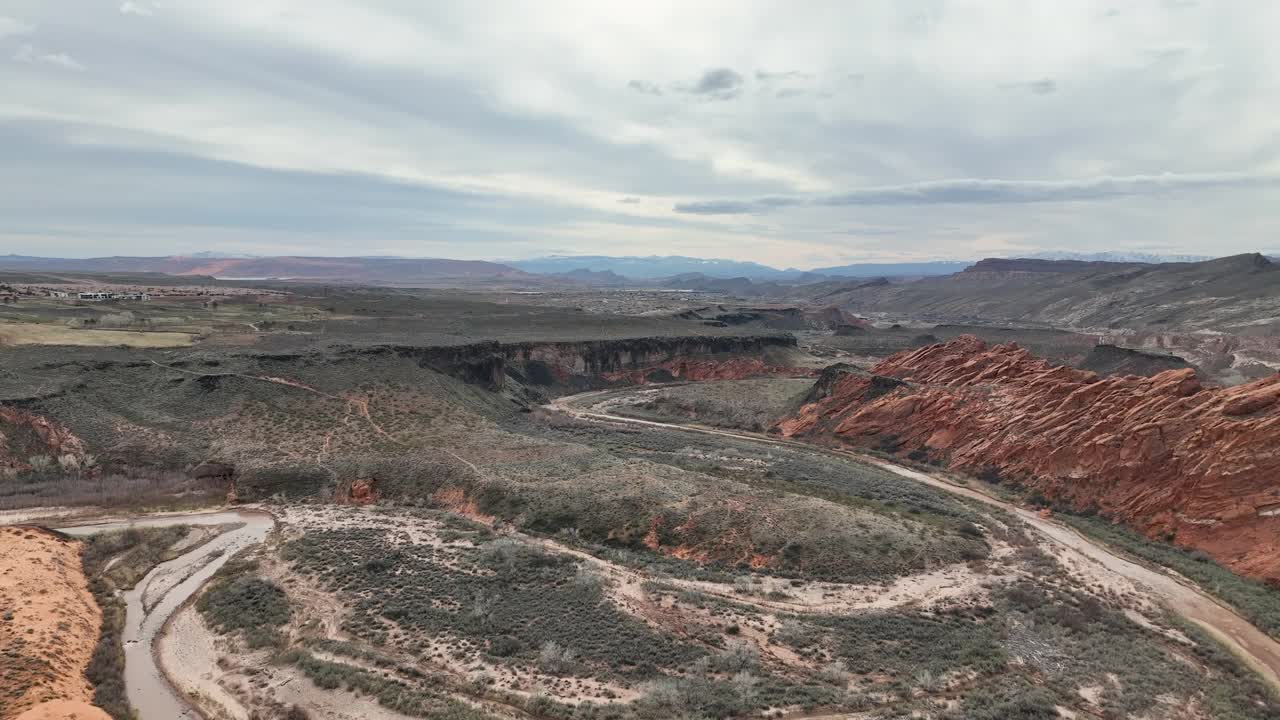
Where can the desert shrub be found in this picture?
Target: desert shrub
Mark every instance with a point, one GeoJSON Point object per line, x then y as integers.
{"type": "Point", "coordinates": [289, 481]}
{"type": "Point", "coordinates": [505, 646]}
{"type": "Point", "coordinates": [239, 601]}
{"type": "Point", "coordinates": [907, 642]}
{"type": "Point", "coordinates": [523, 592]}
{"type": "Point", "coordinates": [1020, 701]}
{"type": "Point", "coordinates": [555, 659]}
{"type": "Point", "coordinates": [402, 697]}
{"type": "Point", "coordinates": [737, 656]}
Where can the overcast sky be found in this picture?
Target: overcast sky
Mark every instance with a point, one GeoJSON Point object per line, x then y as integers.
{"type": "Point", "coordinates": [790, 133]}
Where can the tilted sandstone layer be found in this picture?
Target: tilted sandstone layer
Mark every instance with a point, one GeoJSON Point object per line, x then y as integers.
{"type": "Point", "coordinates": [49, 622]}
{"type": "Point", "coordinates": [1199, 465]}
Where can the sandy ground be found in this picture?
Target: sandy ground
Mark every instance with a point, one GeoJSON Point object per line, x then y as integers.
{"type": "Point", "coordinates": [64, 710]}
{"type": "Point", "coordinates": [31, 515]}
{"type": "Point", "coordinates": [938, 587]}
{"type": "Point", "coordinates": [189, 653]}
{"type": "Point", "coordinates": [49, 622]}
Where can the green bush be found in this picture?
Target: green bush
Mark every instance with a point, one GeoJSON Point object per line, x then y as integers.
{"type": "Point", "coordinates": [239, 601]}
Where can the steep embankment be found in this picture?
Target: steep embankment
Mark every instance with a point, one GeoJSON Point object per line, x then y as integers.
{"type": "Point", "coordinates": [1175, 459]}
{"type": "Point", "coordinates": [159, 423]}
{"type": "Point", "coordinates": [49, 624]}
{"type": "Point", "coordinates": [582, 364]}
{"type": "Point", "coordinates": [25, 437]}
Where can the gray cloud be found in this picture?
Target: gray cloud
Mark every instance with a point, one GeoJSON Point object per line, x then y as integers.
{"type": "Point", "coordinates": [719, 83]}
{"type": "Point", "coordinates": [1045, 86]}
{"type": "Point", "coordinates": [785, 93]}
{"type": "Point", "coordinates": [736, 207]}
{"type": "Point", "coordinates": [630, 200]}
{"type": "Point", "coordinates": [641, 86]}
{"type": "Point", "coordinates": [430, 119]}
{"type": "Point", "coordinates": [992, 192]}
{"type": "Point", "coordinates": [766, 76]}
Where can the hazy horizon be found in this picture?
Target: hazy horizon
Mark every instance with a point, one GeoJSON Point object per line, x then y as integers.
{"type": "Point", "coordinates": [888, 132]}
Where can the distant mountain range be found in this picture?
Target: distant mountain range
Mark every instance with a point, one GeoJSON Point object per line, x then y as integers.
{"type": "Point", "coordinates": [713, 275]}
{"type": "Point", "coordinates": [670, 266]}
{"type": "Point", "coordinates": [650, 268]}
{"type": "Point", "coordinates": [358, 270]}
{"type": "Point", "coordinates": [1238, 292]}
{"type": "Point", "coordinates": [1122, 257]}
{"type": "Point", "coordinates": [665, 267]}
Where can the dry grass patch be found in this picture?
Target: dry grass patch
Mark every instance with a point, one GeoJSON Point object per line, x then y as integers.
{"type": "Point", "coordinates": [36, 334]}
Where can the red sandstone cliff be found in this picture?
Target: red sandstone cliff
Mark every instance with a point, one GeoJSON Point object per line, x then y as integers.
{"type": "Point", "coordinates": [1172, 458]}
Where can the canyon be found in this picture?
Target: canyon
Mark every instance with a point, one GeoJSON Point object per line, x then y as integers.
{"type": "Point", "coordinates": [468, 526]}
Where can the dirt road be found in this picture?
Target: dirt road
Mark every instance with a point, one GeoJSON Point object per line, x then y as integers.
{"type": "Point", "coordinates": [165, 589]}
{"type": "Point", "coordinates": [1259, 650]}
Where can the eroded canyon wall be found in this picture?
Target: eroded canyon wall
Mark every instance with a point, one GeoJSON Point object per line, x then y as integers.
{"type": "Point", "coordinates": [1174, 458]}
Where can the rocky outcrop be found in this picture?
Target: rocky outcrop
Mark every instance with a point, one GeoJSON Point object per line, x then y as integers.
{"type": "Point", "coordinates": [24, 436]}
{"type": "Point", "coordinates": [361, 491]}
{"type": "Point", "coordinates": [1112, 360]}
{"type": "Point", "coordinates": [1175, 459]}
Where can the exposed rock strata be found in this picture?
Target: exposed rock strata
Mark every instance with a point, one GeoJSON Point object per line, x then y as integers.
{"type": "Point", "coordinates": [24, 435]}
{"type": "Point", "coordinates": [1198, 465]}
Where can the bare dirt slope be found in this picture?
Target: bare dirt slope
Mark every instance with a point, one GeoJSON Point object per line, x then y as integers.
{"type": "Point", "coordinates": [48, 622]}
{"type": "Point", "coordinates": [64, 710]}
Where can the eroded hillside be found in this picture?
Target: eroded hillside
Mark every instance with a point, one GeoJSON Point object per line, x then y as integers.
{"type": "Point", "coordinates": [1175, 458]}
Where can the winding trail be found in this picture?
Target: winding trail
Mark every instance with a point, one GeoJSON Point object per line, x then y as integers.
{"type": "Point", "coordinates": [166, 588]}
{"type": "Point", "coordinates": [1259, 650]}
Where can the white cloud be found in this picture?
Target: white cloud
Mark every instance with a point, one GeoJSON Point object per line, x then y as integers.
{"type": "Point", "coordinates": [30, 55]}
{"type": "Point", "coordinates": [144, 9]}
{"type": "Point", "coordinates": [12, 27]}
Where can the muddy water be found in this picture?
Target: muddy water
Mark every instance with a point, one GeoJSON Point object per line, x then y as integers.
{"type": "Point", "coordinates": [164, 589]}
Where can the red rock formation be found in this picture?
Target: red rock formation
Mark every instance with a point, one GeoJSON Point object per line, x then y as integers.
{"type": "Point", "coordinates": [24, 435]}
{"type": "Point", "coordinates": [1200, 465]}
{"type": "Point", "coordinates": [362, 492]}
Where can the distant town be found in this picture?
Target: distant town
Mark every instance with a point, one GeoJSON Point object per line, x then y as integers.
{"type": "Point", "coordinates": [14, 293]}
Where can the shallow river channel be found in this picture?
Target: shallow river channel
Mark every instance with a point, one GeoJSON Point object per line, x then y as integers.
{"type": "Point", "coordinates": [163, 591]}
